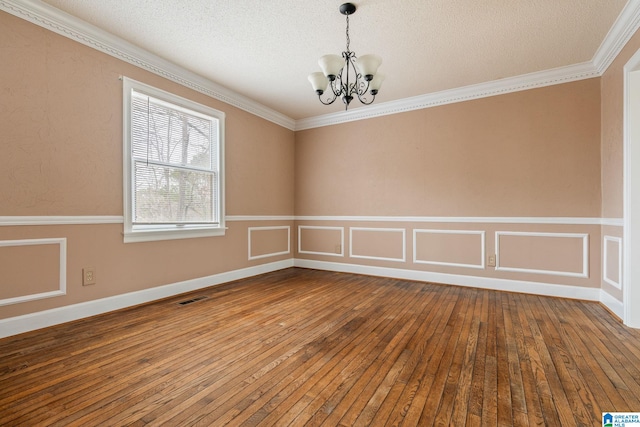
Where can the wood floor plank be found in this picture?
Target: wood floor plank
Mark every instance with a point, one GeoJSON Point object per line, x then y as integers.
{"type": "Point", "coordinates": [514, 377]}
{"type": "Point", "coordinates": [464, 386]}
{"type": "Point", "coordinates": [451, 375]}
{"type": "Point", "coordinates": [478, 379]}
{"type": "Point", "coordinates": [304, 347]}
{"type": "Point", "coordinates": [504, 374]}
{"type": "Point", "coordinates": [561, 395]}
{"type": "Point", "coordinates": [538, 386]}
{"type": "Point", "coordinates": [430, 394]}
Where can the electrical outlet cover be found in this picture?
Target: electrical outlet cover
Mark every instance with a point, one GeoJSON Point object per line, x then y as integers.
{"type": "Point", "coordinates": [88, 276]}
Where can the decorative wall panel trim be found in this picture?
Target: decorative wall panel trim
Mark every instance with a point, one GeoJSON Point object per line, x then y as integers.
{"type": "Point", "coordinates": [613, 222]}
{"type": "Point", "coordinates": [62, 278]}
{"type": "Point", "coordinates": [480, 265]}
{"type": "Point", "coordinates": [284, 227]}
{"type": "Point", "coordinates": [381, 230]}
{"type": "Point", "coordinates": [318, 227]}
{"type": "Point", "coordinates": [118, 219]}
{"type": "Point", "coordinates": [605, 261]}
{"type": "Point", "coordinates": [114, 219]}
{"type": "Point", "coordinates": [461, 219]}
{"type": "Point", "coordinates": [42, 319]}
{"type": "Point", "coordinates": [585, 253]}
{"type": "Point", "coordinates": [259, 218]}
{"type": "Point", "coordinates": [60, 220]}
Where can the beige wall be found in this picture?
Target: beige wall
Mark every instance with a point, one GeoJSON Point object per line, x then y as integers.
{"type": "Point", "coordinates": [612, 131]}
{"type": "Point", "coordinates": [61, 155]}
{"type": "Point", "coordinates": [530, 153]}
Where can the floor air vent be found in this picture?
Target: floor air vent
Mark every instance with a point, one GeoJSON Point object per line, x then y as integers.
{"type": "Point", "coordinates": [192, 300]}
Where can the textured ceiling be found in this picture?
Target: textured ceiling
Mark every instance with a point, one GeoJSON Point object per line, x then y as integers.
{"type": "Point", "coordinates": [265, 49]}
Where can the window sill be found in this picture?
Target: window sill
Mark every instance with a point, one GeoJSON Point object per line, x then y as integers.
{"type": "Point", "coordinates": [153, 235]}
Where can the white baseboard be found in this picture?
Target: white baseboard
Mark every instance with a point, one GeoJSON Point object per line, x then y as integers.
{"type": "Point", "coordinates": [613, 304]}
{"type": "Point", "coordinates": [42, 319]}
{"type": "Point", "coordinates": [537, 288]}
{"type": "Point", "coordinates": [29, 322]}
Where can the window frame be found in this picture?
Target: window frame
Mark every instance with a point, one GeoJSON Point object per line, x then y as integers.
{"type": "Point", "coordinates": [145, 233]}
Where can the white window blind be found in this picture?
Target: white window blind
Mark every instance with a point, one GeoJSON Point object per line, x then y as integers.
{"type": "Point", "coordinates": [174, 164]}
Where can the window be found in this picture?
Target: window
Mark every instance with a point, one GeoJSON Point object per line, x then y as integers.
{"type": "Point", "coordinates": [173, 166]}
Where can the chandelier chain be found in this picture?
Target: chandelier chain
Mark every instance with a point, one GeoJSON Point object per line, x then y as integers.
{"type": "Point", "coordinates": [348, 39]}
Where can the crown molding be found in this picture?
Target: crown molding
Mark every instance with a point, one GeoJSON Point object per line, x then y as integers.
{"type": "Point", "coordinates": [59, 22]}
{"type": "Point", "coordinates": [582, 71]}
{"type": "Point", "coordinates": [622, 30]}
{"type": "Point", "coordinates": [48, 17]}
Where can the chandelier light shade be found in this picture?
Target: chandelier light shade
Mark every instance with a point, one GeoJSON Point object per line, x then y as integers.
{"type": "Point", "coordinates": [347, 76]}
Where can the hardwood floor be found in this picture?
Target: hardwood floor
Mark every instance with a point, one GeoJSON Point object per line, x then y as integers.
{"type": "Point", "coordinates": [304, 347]}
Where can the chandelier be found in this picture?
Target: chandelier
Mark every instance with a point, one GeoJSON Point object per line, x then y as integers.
{"type": "Point", "coordinates": [348, 76]}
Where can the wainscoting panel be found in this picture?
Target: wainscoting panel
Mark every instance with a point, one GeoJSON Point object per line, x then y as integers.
{"type": "Point", "coordinates": [321, 240]}
{"type": "Point", "coordinates": [384, 244]}
{"type": "Point", "coordinates": [269, 241]}
{"type": "Point", "coordinates": [32, 269]}
{"type": "Point", "coordinates": [455, 248]}
{"type": "Point", "coordinates": [559, 254]}
{"type": "Point", "coordinates": [612, 261]}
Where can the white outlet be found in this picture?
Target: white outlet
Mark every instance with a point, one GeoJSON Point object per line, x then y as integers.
{"type": "Point", "coordinates": [88, 276]}
{"type": "Point", "coordinates": [492, 261]}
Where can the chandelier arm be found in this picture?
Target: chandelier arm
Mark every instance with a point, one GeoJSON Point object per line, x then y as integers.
{"type": "Point", "coordinates": [334, 95]}
{"type": "Point", "coordinates": [362, 88]}
{"type": "Point", "coordinates": [361, 85]}
{"type": "Point", "coordinates": [349, 59]}
{"type": "Point", "coordinates": [329, 101]}
{"type": "Point", "coordinates": [348, 63]}
{"type": "Point", "coordinates": [337, 86]}
{"type": "Point", "coordinates": [364, 100]}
